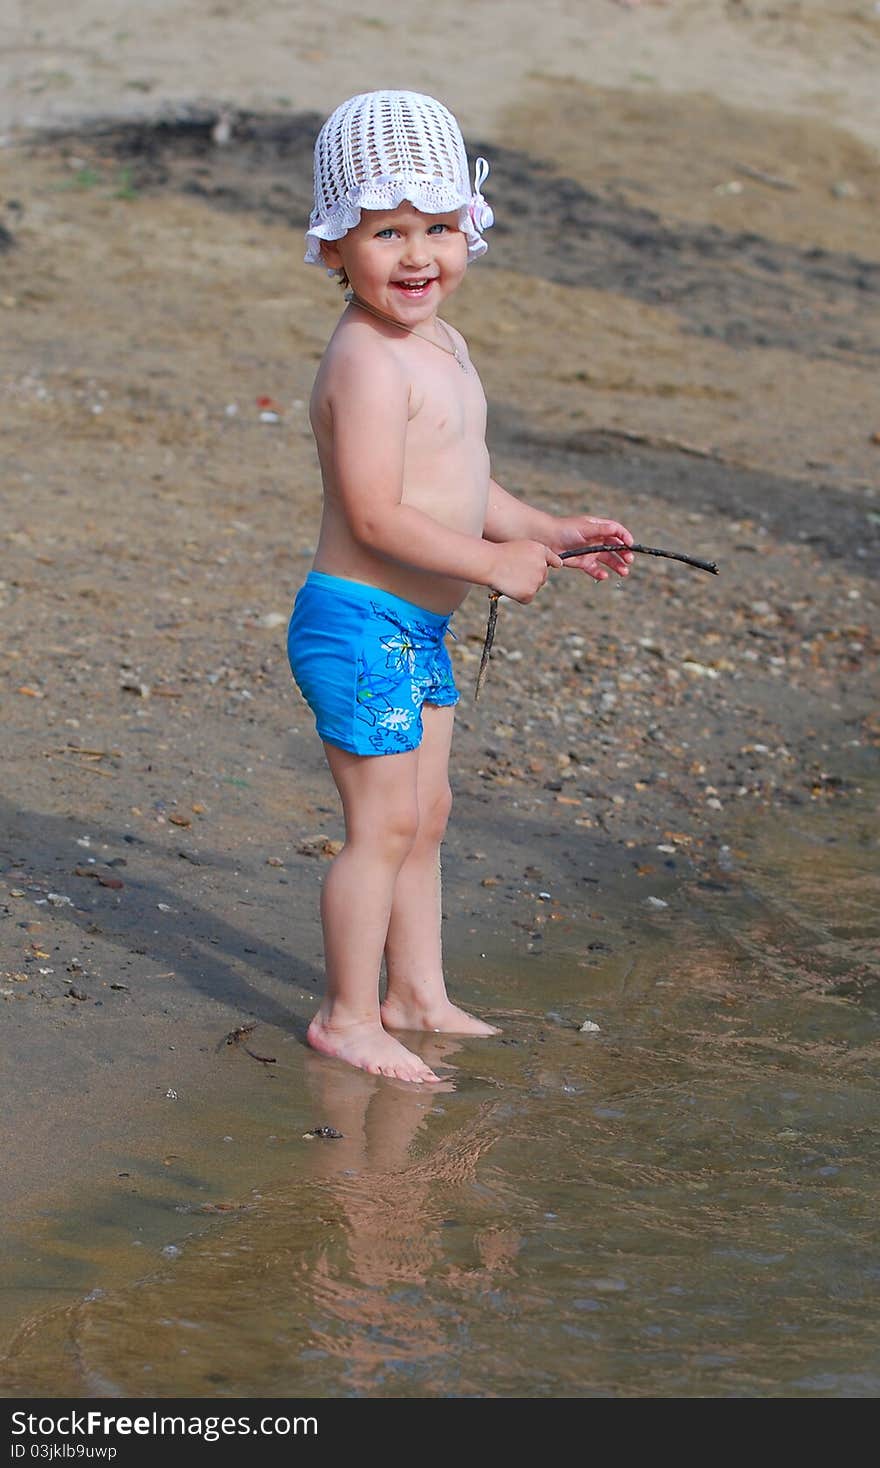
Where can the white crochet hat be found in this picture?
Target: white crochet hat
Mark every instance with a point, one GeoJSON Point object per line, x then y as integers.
{"type": "Point", "coordinates": [380, 148]}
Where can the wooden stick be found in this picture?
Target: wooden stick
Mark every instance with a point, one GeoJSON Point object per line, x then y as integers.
{"type": "Point", "coordinates": [494, 597]}
{"type": "Point", "coordinates": [587, 550]}
{"type": "Point", "coordinates": [645, 550]}
{"type": "Point", "coordinates": [772, 179]}
{"type": "Point", "coordinates": [90, 769]}
{"type": "Point", "coordinates": [238, 1037]}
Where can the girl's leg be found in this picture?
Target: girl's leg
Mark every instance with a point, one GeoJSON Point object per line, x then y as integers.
{"type": "Point", "coordinates": [379, 801]}
{"type": "Point", "coordinates": [416, 997]}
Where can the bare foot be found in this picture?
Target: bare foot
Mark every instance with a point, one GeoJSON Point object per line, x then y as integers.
{"type": "Point", "coordinates": [444, 1018]}
{"type": "Point", "coordinates": [368, 1048]}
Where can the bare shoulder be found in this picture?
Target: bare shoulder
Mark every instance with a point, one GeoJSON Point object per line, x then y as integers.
{"type": "Point", "coordinates": [361, 359]}
{"type": "Point", "coordinates": [360, 381]}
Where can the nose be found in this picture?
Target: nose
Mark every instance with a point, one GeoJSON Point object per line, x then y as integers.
{"type": "Point", "coordinates": [416, 252]}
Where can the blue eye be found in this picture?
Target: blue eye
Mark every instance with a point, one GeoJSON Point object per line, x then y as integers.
{"type": "Point", "coordinates": [434, 227]}
{"type": "Point", "coordinates": [384, 234]}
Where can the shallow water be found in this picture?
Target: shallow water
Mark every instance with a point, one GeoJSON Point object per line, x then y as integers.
{"type": "Point", "coordinates": [680, 1204]}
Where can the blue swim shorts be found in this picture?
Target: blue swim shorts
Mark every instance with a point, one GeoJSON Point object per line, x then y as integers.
{"type": "Point", "coordinates": [365, 662]}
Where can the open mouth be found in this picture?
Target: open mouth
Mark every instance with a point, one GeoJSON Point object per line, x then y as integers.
{"type": "Point", "coordinates": [414, 288]}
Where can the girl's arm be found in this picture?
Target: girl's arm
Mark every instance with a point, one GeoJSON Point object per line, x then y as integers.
{"type": "Point", "coordinates": [509, 518]}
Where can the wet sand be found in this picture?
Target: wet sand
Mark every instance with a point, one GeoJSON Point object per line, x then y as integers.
{"type": "Point", "coordinates": [700, 361]}
{"type": "Point", "coordinates": [676, 1202]}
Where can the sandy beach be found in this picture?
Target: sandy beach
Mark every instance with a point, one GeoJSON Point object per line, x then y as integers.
{"type": "Point", "coordinates": [676, 325]}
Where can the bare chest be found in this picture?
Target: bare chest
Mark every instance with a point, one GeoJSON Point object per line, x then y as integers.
{"type": "Point", "coordinates": [447, 408]}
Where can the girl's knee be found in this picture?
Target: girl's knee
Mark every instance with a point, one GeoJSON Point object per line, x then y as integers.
{"type": "Point", "coordinates": [434, 817]}
{"type": "Point", "coordinates": [391, 829]}
{"type": "Point", "coordinates": [402, 825]}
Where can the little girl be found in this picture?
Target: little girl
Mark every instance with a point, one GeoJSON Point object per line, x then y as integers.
{"type": "Point", "coordinates": [411, 520]}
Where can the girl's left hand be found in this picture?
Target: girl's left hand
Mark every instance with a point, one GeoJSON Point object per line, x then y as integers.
{"type": "Point", "coordinates": [572, 531]}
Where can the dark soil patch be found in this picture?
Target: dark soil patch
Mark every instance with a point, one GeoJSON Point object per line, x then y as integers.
{"type": "Point", "coordinates": [840, 524]}
{"type": "Point", "coordinates": [740, 288]}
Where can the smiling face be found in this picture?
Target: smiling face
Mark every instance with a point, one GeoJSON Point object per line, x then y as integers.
{"type": "Point", "coordinates": [402, 262]}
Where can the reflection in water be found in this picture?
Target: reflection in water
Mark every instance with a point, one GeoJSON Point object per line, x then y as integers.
{"type": "Point", "coordinates": [371, 1304]}
{"type": "Point", "coordinates": [683, 1204]}
{"type": "Point", "coordinates": [321, 1288]}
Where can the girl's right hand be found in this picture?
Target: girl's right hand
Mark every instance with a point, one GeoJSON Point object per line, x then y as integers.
{"type": "Point", "coordinates": [521, 568]}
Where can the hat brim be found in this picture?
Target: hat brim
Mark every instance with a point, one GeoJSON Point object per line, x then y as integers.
{"type": "Point", "coordinates": [428, 198]}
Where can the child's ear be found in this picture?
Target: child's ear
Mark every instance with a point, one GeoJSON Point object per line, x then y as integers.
{"type": "Point", "coordinates": [330, 254]}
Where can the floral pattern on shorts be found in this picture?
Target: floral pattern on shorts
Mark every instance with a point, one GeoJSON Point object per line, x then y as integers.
{"type": "Point", "coordinates": [402, 665]}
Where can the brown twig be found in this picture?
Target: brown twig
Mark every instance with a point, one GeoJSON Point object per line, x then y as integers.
{"type": "Point", "coordinates": [773, 180]}
{"type": "Point", "coordinates": [587, 550]}
{"type": "Point", "coordinates": [92, 753]}
{"type": "Point", "coordinates": [238, 1037]}
{"type": "Point", "coordinates": [645, 550]}
{"type": "Point", "coordinates": [264, 1059]}
{"type": "Point", "coordinates": [89, 769]}
{"type": "Point", "coordinates": [494, 597]}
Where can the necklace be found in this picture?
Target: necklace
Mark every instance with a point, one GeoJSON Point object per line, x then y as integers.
{"type": "Point", "coordinates": [451, 351]}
